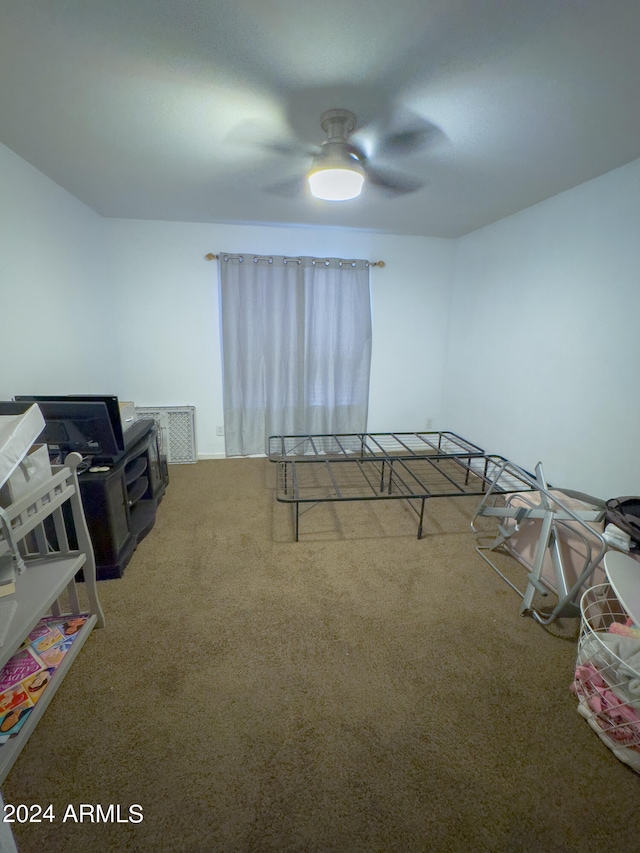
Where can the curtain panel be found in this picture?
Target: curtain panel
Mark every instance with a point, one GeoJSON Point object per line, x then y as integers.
{"type": "Point", "coordinates": [296, 347]}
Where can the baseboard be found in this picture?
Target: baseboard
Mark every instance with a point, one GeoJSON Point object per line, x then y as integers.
{"type": "Point", "coordinates": [203, 456]}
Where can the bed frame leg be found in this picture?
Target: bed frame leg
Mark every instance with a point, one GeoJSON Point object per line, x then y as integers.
{"type": "Point", "coordinates": [421, 518]}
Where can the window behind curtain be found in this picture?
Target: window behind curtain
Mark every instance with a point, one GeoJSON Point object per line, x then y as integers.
{"type": "Point", "coordinates": [296, 346]}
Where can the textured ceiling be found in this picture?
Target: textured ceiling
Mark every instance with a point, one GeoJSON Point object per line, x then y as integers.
{"type": "Point", "coordinates": [155, 109]}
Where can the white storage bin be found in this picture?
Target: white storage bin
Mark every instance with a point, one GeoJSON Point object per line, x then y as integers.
{"type": "Point", "coordinates": [17, 434]}
{"type": "Point", "coordinates": [34, 469]}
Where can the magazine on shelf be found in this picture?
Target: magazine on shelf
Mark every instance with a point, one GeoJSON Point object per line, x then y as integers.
{"type": "Point", "coordinates": [14, 720]}
{"type": "Point", "coordinates": [49, 638]}
{"type": "Point", "coordinates": [26, 676]}
{"type": "Point", "coordinates": [24, 663]}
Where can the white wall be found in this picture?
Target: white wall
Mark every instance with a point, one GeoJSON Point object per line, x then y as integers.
{"type": "Point", "coordinates": [542, 352]}
{"type": "Point", "coordinates": [56, 315]}
{"type": "Point", "coordinates": [168, 320]}
{"type": "Point", "coordinates": [544, 346]}
{"type": "Point", "coordinates": [89, 305]}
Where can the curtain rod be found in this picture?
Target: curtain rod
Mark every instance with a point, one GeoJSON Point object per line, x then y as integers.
{"type": "Point", "coordinates": [211, 257]}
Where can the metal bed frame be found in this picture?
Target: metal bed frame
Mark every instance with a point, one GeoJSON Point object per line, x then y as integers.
{"type": "Point", "coordinates": [415, 467]}
{"type": "Point", "coordinates": [396, 445]}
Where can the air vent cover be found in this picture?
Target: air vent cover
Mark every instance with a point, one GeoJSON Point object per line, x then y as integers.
{"type": "Point", "coordinates": [177, 426]}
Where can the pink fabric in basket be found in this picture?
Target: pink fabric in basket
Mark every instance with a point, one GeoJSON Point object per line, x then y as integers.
{"type": "Point", "coordinates": [618, 719]}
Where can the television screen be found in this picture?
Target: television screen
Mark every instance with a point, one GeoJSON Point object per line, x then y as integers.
{"type": "Point", "coordinates": [81, 425]}
{"type": "Point", "coordinates": [110, 401]}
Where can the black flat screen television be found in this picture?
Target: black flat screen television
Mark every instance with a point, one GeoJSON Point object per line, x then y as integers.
{"type": "Point", "coordinates": [110, 401]}
{"type": "Point", "coordinates": [80, 425]}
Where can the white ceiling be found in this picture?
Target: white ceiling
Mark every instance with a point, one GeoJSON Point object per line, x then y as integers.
{"type": "Point", "coordinates": [153, 109]}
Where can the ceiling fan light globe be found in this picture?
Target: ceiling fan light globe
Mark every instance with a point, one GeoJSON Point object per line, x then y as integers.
{"type": "Point", "coordinates": [336, 183]}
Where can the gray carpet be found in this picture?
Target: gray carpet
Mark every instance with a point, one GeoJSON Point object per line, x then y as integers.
{"type": "Point", "coordinates": [359, 690]}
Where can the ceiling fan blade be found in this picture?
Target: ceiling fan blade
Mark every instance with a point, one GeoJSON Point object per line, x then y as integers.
{"type": "Point", "coordinates": [289, 188]}
{"type": "Point", "coordinates": [391, 182]}
{"type": "Point", "coordinates": [408, 140]}
{"type": "Point", "coordinates": [404, 132]}
{"type": "Point", "coordinates": [289, 148]}
{"type": "Point", "coordinates": [253, 135]}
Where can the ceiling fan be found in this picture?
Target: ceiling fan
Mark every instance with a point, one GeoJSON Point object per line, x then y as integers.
{"type": "Point", "coordinates": [341, 166]}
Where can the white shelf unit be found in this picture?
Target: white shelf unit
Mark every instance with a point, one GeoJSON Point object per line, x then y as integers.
{"type": "Point", "coordinates": [46, 584]}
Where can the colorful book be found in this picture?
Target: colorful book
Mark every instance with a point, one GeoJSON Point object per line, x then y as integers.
{"type": "Point", "coordinates": [25, 677]}
{"type": "Point", "coordinates": [24, 663]}
{"type": "Point", "coordinates": [13, 697]}
{"type": "Point", "coordinates": [14, 720]}
{"type": "Point", "coordinates": [50, 637]}
{"type": "Point", "coordinates": [36, 684]}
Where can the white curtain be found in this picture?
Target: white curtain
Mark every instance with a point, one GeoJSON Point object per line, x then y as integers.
{"type": "Point", "coordinates": [296, 346]}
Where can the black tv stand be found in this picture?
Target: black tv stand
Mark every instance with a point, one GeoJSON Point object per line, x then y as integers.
{"type": "Point", "coordinates": [120, 504]}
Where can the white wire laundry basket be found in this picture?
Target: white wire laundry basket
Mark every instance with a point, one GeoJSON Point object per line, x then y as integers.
{"type": "Point", "coordinates": [607, 674]}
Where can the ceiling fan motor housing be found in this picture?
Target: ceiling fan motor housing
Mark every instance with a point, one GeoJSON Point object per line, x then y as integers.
{"type": "Point", "coordinates": [336, 150]}
{"type": "Point", "coordinates": [337, 172]}
{"type": "Point", "coordinates": [340, 163]}
{"type": "Point", "coordinates": [338, 124]}
{"type": "Point", "coordinates": [338, 153]}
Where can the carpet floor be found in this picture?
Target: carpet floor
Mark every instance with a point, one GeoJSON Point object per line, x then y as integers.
{"type": "Point", "coordinates": [359, 690]}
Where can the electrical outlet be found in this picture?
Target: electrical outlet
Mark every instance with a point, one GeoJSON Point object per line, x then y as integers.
{"type": "Point", "coordinates": [219, 430]}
